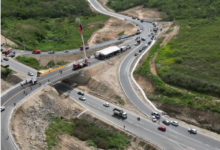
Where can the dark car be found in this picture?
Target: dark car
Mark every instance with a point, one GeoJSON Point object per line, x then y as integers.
{"type": "Point", "coordinates": [80, 93]}
{"type": "Point", "coordinates": [162, 128]}
{"type": "Point", "coordinates": [5, 58]}
{"type": "Point", "coordinates": [149, 42]}
{"type": "Point", "coordinates": [156, 115]}
{"type": "Point", "coordinates": [143, 47]}
{"type": "Point", "coordinates": [6, 66]}
{"type": "Point", "coordinates": [136, 54]}
{"type": "Point", "coordinates": [51, 52]}
{"type": "Point", "coordinates": [166, 122]}
{"type": "Point", "coordinates": [140, 50]}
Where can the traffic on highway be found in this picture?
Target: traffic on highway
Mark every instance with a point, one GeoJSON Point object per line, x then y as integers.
{"type": "Point", "coordinates": [157, 129]}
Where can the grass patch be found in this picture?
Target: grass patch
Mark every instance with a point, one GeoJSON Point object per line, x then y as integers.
{"type": "Point", "coordinates": [191, 59]}
{"type": "Point", "coordinates": [29, 61]}
{"type": "Point", "coordinates": [121, 33]}
{"type": "Point", "coordinates": [85, 131]}
{"type": "Point", "coordinates": [171, 95]}
{"type": "Point", "coordinates": [5, 71]}
{"type": "Point", "coordinates": [56, 128]}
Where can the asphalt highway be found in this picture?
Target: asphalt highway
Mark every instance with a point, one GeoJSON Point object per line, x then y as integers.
{"type": "Point", "coordinates": [173, 138]}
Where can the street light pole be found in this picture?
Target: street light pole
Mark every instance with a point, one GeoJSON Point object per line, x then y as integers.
{"type": "Point", "coordinates": [77, 19]}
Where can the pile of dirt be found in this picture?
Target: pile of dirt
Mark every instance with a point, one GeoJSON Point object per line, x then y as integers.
{"type": "Point", "coordinates": [111, 30]}
{"type": "Point", "coordinates": [143, 13]}
{"type": "Point", "coordinates": [11, 80]}
{"type": "Point", "coordinates": [33, 115]}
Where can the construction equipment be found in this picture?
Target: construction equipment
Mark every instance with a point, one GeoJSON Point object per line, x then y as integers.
{"type": "Point", "coordinates": [81, 65]}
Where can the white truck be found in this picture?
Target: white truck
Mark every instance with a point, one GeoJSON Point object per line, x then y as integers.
{"type": "Point", "coordinates": [119, 113]}
{"type": "Point", "coordinates": [123, 48]}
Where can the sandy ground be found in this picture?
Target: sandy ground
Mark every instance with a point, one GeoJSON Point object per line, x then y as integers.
{"type": "Point", "coordinates": [31, 117]}
{"type": "Point", "coordinates": [143, 13]}
{"type": "Point", "coordinates": [111, 31]}
{"type": "Point", "coordinates": [11, 80]}
{"type": "Point", "coordinates": [9, 42]}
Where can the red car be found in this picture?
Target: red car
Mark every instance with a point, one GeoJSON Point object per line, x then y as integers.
{"type": "Point", "coordinates": [162, 128]}
{"type": "Point", "coordinates": [36, 51]}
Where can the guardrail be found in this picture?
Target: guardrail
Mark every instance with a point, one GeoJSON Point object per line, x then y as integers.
{"type": "Point", "coordinates": [51, 71]}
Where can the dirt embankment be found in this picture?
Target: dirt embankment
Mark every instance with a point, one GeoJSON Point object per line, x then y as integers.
{"type": "Point", "coordinates": [143, 13]}
{"type": "Point", "coordinates": [112, 29]}
{"type": "Point", "coordinates": [9, 42]}
{"type": "Point", "coordinates": [32, 116]}
{"type": "Point", "coordinates": [11, 80]}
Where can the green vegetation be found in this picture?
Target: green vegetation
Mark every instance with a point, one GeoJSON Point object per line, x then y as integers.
{"type": "Point", "coordinates": [48, 25]}
{"type": "Point", "coordinates": [56, 128]}
{"type": "Point", "coordinates": [121, 33]}
{"type": "Point", "coordinates": [179, 9]}
{"type": "Point", "coordinates": [174, 96]}
{"type": "Point", "coordinates": [29, 61]}
{"type": "Point", "coordinates": [5, 71]}
{"type": "Point", "coordinates": [191, 59]}
{"type": "Point", "coordinates": [85, 131]}
{"type": "Point", "coordinates": [34, 63]}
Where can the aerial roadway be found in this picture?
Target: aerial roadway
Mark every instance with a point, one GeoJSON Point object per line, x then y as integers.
{"type": "Point", "coordinates": [174, 138]}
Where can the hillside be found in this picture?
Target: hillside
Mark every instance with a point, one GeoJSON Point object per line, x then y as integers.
{"type": "Point", "coordinates": [48, 25]}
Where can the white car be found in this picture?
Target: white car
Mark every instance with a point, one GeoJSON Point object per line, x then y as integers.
{"type": "Point", "coordinates": [106, 104]}
{"type": "Point", "coordinates": [135, 44]}
{"type": "Point", "coordinates": [2, 108]}
{"type": "Point", "coordinates": [154, 119]}
{"type": "Point", "coordinates": [30, 74]}
{"type": "Point", "coordinates": [82, 98]}
{"type": "Point", "coordinates": [175, 123]}
{"type": "Point", "coordinates": [194, 131]}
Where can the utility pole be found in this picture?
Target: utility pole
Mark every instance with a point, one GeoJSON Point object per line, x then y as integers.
{"type": "Point", "coordinates": [77, 19]}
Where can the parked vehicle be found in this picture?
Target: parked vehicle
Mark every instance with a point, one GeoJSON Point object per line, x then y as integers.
{"type": "Point", "coordinates": [82, 98]}
{"type": "Point", "coordinates": [81, 65]}
{"type": "Point", "coordinates": [162, 128]}
{"type": "Point", "coordinates": [136, 54]}
{"type": "Point", "coordinates": [51, 52]}
{"type": "Point", "coordinates": [149, 42]}
{"type": "Point", "coordinates": [2, 108]}
{"type": "Point", "coordinates": [156, 115]}
{"type": "Point", "coordinates": [80, 93]}
{"type": "Point", "coordinates": [154, 119]}
{"type": "Point", "coordinates": [86, 47]}
{"type": "Point", "coordinates": [5, 58]}
{"type": "Point", "coordinates": [175, 123]}
{"type": "Point", "coordinates": [128, 46]}
{"type": "Point", "coordinates": [136, 44]}
{"type": "Point", "coordinates": [166, 122]}
{"type": "Point", "coordinates": [66, 51]}
{"type": "Point", "coordinates": [143, 39]}
{"type": "Point", "coordinates": [11, 55]}
{"type": "Point", "coordinates": [107, 52]}
{"type": "Point", "coordinates": [30, 74]}
{"type": "Point", "coordinates": [6, 66]}
{"type": "Point", "coordinates": [106, 104]}
{"type": "Point", "coordinates": [119, 113]}
{"type": "Point", "coordinates": [123, 48]}
{"type": "Point", "coordinates": [140, 50]}
{"type": "Point", "coordinates": [36, 51]}
{"type": "Point", "coordinates": [194, 131]}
